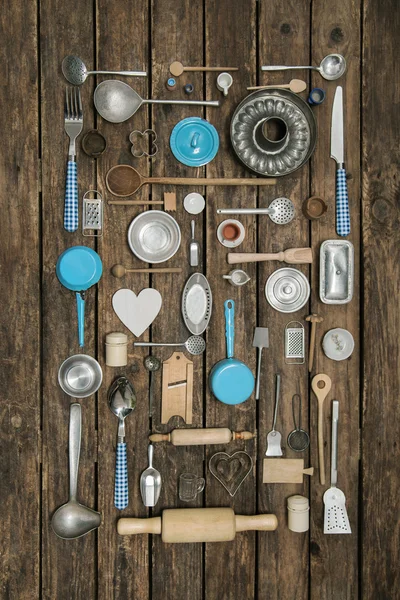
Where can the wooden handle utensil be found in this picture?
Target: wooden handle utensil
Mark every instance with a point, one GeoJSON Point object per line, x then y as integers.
{"type": "Point", "coordinates": [321, 385]}
{"type": "Point", "coordinates": [197, 437]}
{"type": "Point", "coordinates": [313, 319]}
{"type": "Point", "coordinates": [119, 270]}
{"type": "Point", "coordinates": [183, 525]}
{"type": "Point", "coordinates": [295, 85]}
{"type": "Point", "coordinates": [176, 69]}
{"type": "Point", "coordinates": [285, 470]}
{"type": "Point", "coordinates": [294, 256]}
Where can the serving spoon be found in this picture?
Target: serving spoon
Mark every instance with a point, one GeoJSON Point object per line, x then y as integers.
{"type": "Point", "coordinates": [73, 520]}
{"type": "Point", "coordinates": [332, 67]}
{"type": "Point", "coordinates": [75, 71]}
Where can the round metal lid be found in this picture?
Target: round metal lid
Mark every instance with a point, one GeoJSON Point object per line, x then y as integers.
{"type": "Point", "coordinates": [194, 142]}
{"type": "Point", "coordinates": [287, 290]}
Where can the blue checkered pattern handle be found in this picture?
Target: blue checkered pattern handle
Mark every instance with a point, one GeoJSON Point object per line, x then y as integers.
{"type": "Point", "coordinates": [342, 204]}
{"type": "Point", "coordinates": [121, 477]}
{"type": "Point", "coordinates": [71, 198]}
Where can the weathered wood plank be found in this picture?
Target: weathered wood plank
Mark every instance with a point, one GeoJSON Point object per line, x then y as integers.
{"type": "Point", "coordinates": [336, 28]}
{"type": "Point", "coordinates": [123, 562]}
{"type": "Point", "coordinates": [231, 41]}
{"type": "Point", "coordinates": [283, 39]}
{"type": "Point", "coordinates": [68, 567]}
{"type": "Point", "coordinates": [176, 33]}
{"type": "Point", "coordinates": [381, 413]}
{"type": "Point", "coordinates": [20, 299]}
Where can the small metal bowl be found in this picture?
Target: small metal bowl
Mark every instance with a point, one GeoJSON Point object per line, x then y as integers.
{"type": "Point", "coordinates": [80, 376]}
{"type": "Point", "coordinates": [154, 236]}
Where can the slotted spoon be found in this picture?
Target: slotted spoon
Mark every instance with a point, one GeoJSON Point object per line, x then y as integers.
{"type": "Point", "coordinates": [194, 345]}
{"type": "Point", "coordinates": [280, 211]}
{"type": "Point", "coordinates": [75, 71]}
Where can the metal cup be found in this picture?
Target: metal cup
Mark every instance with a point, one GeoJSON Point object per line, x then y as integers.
{"type": "Point", "coordinates": [189, 486]}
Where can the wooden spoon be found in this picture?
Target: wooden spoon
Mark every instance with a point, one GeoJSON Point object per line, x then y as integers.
{"type": "Point", "coordinates": [295, 85]}
{"type": "Point", "coordinates": [294, 256]}
{"type": "Point", "coordinates": [321, 385]}
{"type": "Point", "coordinates": [176, 69]}
{"type": "Point", "coordinates": [124, 180]}
{"type": "Point", "coordinates": [120, 270]}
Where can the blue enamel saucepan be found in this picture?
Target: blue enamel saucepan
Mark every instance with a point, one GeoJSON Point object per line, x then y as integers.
{"type": "Point", "coordinates": [231, 381]}
{"type": "Point", "coordinates": [78, 268]}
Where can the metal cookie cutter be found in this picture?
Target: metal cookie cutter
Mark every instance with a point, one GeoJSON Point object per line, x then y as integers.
{"type": "Point", "coordinates": [143, 143]}
{"type": "Point", "coordinates": [93, 214]}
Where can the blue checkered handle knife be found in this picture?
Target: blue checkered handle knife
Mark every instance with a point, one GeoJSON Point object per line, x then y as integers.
{"type": "Point", "coordinates": [342, 204]}
{"type": "Point", "coordinates": [71, 198]}
{"type": "Point", "coordinates": [121, 496]}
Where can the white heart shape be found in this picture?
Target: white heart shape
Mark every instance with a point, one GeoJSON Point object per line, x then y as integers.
{"type": "Point", "coordinates": [137, 312]}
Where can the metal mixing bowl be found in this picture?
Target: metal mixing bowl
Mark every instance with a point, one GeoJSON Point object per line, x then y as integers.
{"type": "Point", "coordinates": [154, 236]}
{"type": "Point", "coordinates": [80, 376]}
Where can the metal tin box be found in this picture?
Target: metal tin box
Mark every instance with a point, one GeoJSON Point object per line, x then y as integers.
{"type": "Point", "coordinates": [336, 271]}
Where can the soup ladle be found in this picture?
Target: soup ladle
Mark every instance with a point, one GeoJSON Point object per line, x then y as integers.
{"type": "Point", "coordinates": [75, 71]}
{"type": "Point", "coordinates": [73, 520]}
{"type": "Point", "coordinates": [332, 67]}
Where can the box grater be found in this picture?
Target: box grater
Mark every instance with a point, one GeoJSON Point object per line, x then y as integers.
{"type": "Point", "coordinates": [294, 343]}
{"type": "Point", "coordinates": [92, 220]}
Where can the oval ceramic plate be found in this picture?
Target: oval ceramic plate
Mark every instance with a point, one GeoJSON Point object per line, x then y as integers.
{"type": "Point", "coordinates": [154, 236]}
{"type": "Point", "coordinates": [197, 304]}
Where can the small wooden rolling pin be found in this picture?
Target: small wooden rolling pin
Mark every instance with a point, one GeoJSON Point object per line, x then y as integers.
{"type": "Point", "coordinates": [182, 525]}
{"type": "Point", "coordinates": [197, 437]}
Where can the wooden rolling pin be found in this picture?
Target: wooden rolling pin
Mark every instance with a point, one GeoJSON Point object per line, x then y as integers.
{"type": "Point", "coordinates": [197, 437]}
{"type": "Point", "coordinates": [294, 256]}
{"type": "Point", "coordinates": [182, 525]}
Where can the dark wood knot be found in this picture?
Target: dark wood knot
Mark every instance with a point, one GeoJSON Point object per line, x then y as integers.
{"type": "Point", "coordinates": [337, 35]}
{"type": "Point", "coordinates": [383, 211]}
{"type": "Point", "coordinates": [285, 29]}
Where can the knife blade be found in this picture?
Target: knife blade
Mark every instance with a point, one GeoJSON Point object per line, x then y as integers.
{"type": "Point", "coordinates": [337, 153]}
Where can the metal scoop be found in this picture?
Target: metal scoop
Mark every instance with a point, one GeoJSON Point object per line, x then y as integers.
{"type": "Point", "coordinates": [194, 249]}
{"type": "Point", "coordinates": [116, 101]}
{"type": "Point", "coordinates": [194, 345]}
{"type": "Point", "coordinates": [72, 520]}
{"type": "Point", "coordinates": [280, 211]}
{"type": "Point", "coordinates": [332, 67]}
{"type": "Point", "coordinates": [150, 482]}
{"type": "Point", "coordinates": [274, 437]}
{"type": "Point", "coordinates": [75, 71]}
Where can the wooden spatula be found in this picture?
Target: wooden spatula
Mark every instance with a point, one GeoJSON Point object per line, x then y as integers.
{"type": "Point", "coordinates": [294, 256]}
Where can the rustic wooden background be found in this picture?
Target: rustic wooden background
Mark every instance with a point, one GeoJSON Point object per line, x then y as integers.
{"type": "Point", "coordinates": [38, 316]}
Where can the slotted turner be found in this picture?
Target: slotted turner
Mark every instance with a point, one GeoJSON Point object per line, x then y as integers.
{"type": "Point", "coordinates": [335, 517]}
{"type": "Point", "coordinates": [274, 437]}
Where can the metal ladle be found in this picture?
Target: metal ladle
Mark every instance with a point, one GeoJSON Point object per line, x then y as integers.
{"type": "Point", "coordinates": [332, 67]}
{"type": "Point", "coordinates": [72, 520]}
{"type": "Point", "coordinates": [280, 211]}
{"type": "Point", "coordinates": [195, 345]}
{"type": "Point", "coordinates": [75, 71]}
{"type": "Point", "coordinates": [122, 401]}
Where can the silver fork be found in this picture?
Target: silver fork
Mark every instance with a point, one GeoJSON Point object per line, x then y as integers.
{"type": "Point", "coordinates": [73, 121]}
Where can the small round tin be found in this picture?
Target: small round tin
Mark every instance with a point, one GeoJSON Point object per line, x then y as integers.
{"type": "Point", "coordinates": [287, 290]}
{"type": "Point", "coordinates": [338, 344]}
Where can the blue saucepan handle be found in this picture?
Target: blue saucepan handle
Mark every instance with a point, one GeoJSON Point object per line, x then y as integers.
{"type": "Point", "coordinates": [229, 326]}
{"type": "Point", "coordinates": [80, 305]}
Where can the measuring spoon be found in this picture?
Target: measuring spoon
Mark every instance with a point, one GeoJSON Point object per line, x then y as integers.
{"type": "Point", "coordinates": [332, 67]}
{"type": "Point", "coordinates": [72, 520]}
{"type": "Point", "coordinates": [321, 385]}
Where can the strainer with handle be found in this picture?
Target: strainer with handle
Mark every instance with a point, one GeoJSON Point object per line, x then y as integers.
{"type": "Point", "coordinates": [298, 439]}
{"type": "Point", "coordinates": [280, 211]}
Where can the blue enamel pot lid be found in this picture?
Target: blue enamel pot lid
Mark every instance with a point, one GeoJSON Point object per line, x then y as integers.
{"type": "Point", "coordinates": [78, 268]}
{"type": "Point", "coordinates": [194, 142]}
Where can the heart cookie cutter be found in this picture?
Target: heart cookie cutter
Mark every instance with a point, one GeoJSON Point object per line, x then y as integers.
{"type": "Point", "coordinates": [231, 469]}
{"type": "Point", "coordinates": [143, 143]}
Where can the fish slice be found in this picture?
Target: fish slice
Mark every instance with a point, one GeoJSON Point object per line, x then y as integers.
{"type": "Point", "coordinates": [274, 437]}
{"type": "Point", "coordinates": [150, 482]}
{"type": "Point", "coordinates": [260, 341]}
{"type": "Point", "coordinates": [335, 516]}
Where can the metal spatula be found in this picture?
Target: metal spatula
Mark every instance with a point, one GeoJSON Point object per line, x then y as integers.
{"type": "Point", "coordinates": [335, 517]}
{"type": "Point", "coordinates": [274, 437]}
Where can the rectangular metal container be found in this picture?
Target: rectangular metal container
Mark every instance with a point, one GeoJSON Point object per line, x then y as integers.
{"type": "Point", "coordinates": [336, 271]}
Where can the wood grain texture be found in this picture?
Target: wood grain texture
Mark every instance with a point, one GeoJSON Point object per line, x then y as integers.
{"type": "Point", "coordinates": [234, 577]}
{"type": "Point", "coordinates": [124, 563]}
{"type": "Point", "coordinates": [336, 28]}
{"type": "Point", "coordinates": [68, 568]}
{"type": "Point", "coordinates": [381, 260]}
{"type": "Point", "coordinates": [283, 39]}
{"type": "Point", "coordinates": [176, 35]}
{"type": "Point", "coordinates": [20, 300]}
